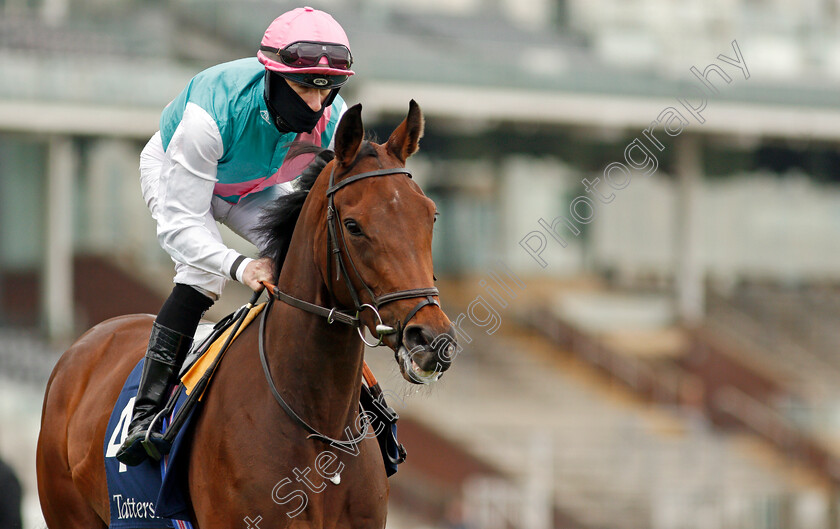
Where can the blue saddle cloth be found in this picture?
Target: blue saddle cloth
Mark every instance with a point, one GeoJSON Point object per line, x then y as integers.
{"type": "Point", "coordinates": [152, 494]}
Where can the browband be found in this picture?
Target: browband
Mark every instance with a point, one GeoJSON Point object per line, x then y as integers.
{"type": "Point", "coordinates": [360, 176]}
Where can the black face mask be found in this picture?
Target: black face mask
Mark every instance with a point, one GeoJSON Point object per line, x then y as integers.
{"type": "Point", "coordinates": [289, 111]}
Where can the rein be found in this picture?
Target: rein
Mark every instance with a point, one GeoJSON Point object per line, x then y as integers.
{"type": "Point", "coordinates": [313, 433]}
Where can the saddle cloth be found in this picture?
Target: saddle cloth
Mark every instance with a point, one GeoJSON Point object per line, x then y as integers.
{"type": "Point", "coordinates": [133, 491]}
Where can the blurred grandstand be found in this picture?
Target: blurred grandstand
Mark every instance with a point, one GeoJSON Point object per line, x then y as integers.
{"type": "Point", "coordinates": [674, 364]}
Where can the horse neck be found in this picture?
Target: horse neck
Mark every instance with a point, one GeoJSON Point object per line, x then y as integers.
{"type": "Point", "coordinates": [319, 364]}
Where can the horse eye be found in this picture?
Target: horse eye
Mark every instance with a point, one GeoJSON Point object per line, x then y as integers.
{"type": "Point", "coordinates": [353, 227]}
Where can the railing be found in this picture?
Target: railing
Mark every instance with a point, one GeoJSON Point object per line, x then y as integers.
{"type": "Point", "coordinates": [730, 393]}
{"type": "Point", "coordinates": [741, 399]}
{"type": "Point", "coordinates": [656, 382]}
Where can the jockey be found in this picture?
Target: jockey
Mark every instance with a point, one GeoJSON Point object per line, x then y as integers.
{"type": "Point", "coordinates": [220, 156]}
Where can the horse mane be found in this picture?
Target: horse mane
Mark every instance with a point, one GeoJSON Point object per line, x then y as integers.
{"type": "Point", "coordinates": [277, 220]}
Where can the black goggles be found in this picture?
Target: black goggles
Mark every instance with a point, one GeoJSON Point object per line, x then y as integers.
{"type": "Point", "coordinates": [304, 54]}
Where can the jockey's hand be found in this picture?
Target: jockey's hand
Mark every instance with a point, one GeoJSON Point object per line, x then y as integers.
{"type": "Point", "coordinates": [256, 271]}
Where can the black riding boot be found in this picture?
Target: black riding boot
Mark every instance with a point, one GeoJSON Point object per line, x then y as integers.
{"type": "Point", "coordinates": [169, 343]}
{"type": "Point", "coordinates": [166, 352]}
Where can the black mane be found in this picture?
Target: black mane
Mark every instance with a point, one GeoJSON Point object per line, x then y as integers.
{"type": "Point", "coordinates": [277, 221]}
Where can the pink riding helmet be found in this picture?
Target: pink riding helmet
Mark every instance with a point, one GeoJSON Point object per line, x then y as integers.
{"type": "Point", "coordinates": [303, 24]}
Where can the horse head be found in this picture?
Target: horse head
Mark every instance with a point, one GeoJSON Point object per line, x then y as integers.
{"type": "Point", "coordinates": [370, 226]}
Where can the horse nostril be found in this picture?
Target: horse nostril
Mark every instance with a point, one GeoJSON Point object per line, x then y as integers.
{"type": "Point", "coordinates": [417, 336]}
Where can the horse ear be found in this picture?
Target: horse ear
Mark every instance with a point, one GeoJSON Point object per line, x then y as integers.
{"type": "Point", "coordinates": [403, 142]}
{"type": "Point", "coordinates": [348, 135]}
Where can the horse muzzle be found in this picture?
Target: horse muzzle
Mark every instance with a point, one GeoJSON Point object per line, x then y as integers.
{"type": "Point", "coordinates": [423, 355]}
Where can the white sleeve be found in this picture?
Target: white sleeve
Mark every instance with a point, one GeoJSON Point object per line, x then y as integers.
{"type": "Point", "coordinates": [187, 179]}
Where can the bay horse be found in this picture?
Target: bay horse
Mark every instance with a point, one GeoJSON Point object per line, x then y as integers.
{"type": "Point", "coordinates": [359, 253]}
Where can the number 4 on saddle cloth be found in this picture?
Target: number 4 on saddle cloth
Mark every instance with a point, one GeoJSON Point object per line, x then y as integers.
{"type": "Point", "coordinates": [154, 494]}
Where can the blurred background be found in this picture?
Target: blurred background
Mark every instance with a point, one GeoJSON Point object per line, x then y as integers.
{"type": "Point", "coordinates": [645, 351]}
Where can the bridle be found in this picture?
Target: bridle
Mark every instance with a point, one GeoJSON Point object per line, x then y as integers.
{"type": "Point", "coordinates": [334, 228]}
{"type": "Point", "coordinates": [335, 233]}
